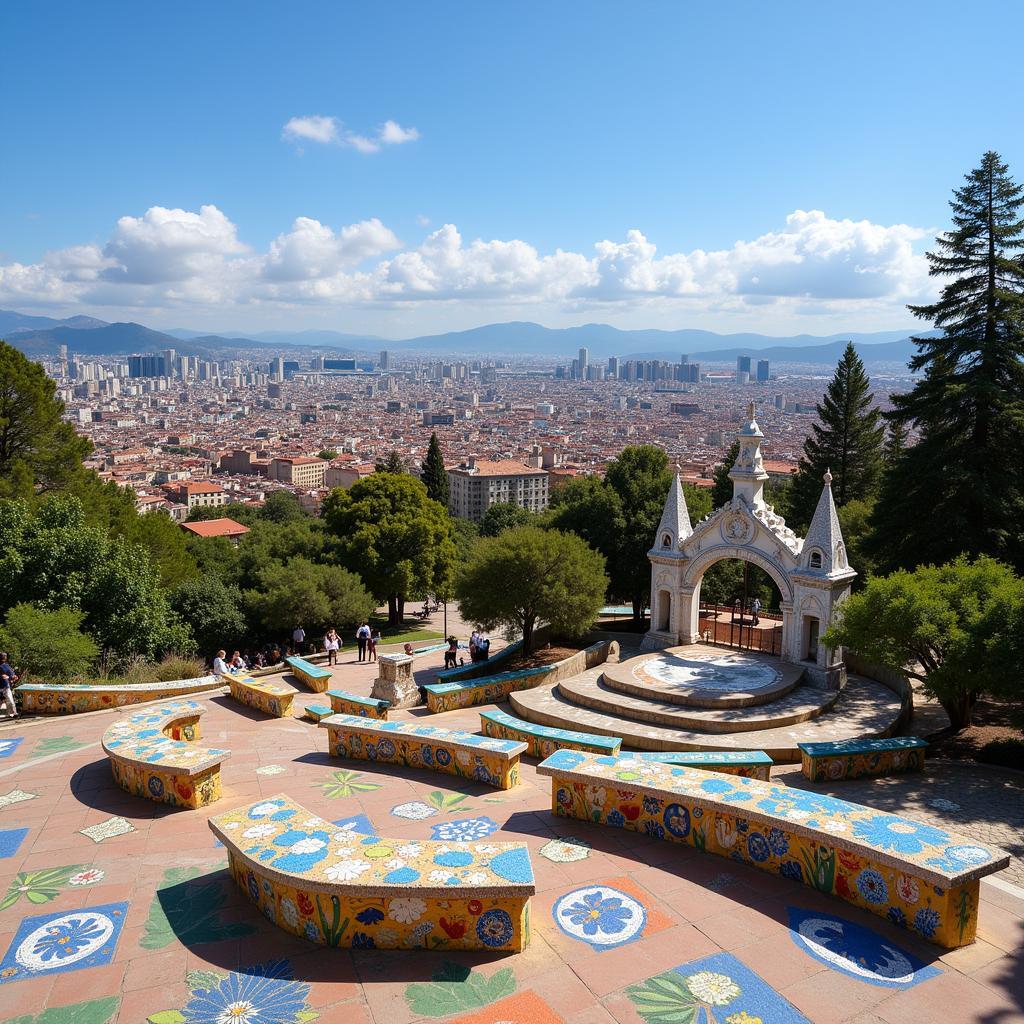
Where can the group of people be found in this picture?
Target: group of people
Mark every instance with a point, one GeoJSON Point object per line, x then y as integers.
{"type": "Point", "coordinates": [366, 643]}
{"type": "Point", "coordinates": [479, 646]}
{"type": "Point", "coordinates": [8, 677]}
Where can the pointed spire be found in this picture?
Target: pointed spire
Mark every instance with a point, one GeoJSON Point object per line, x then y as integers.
{"type": "Point", "coordinates": [675, 519]}
{"type": "Point", "coordinates": [824, 536]}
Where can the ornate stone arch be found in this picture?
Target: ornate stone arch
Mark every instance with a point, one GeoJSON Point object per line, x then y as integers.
{"type": "Point", "coordinates": [700, 564]}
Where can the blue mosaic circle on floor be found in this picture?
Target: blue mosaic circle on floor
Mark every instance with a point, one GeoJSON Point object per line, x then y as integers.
{"type": "Point", "coordinates": [855, 950]}
{"type": "Point", "coordinates": [601, 916]}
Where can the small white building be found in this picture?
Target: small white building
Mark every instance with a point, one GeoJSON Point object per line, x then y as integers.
{"type": "Point", "coordinates": [476, 485]}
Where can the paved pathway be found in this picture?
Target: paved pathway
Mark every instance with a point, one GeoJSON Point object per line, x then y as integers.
{"type": "Point", "coordinates": [180, 927]}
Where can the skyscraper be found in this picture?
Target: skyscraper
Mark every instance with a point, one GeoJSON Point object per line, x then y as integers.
{"type": "Point", "coordinates": [613, 366]}
{"type": "Point", "coordinates": [385, 359]}
{"type": "Point", "coordinates": [169, 355]}
{"type": "Point", "coordinates": [762, 371]}
{"type": "Point", "coordinates": [584, 362]}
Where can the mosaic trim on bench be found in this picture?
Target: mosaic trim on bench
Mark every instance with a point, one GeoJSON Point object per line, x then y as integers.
{"type": "Point", "coordinates": [316, 678]}
{"type": "Point", "coordinates": [344, 703]}
{"type": "Point", "coordinates": [73, 698]}
{"type": "Point", "coordinates": [917, 875]}
{"type": "Point", "coordinates": [750, 764]}
{"type": "Point", "coordinates": [543, 740]}
{"type": "Point", "coordinates": [374, 893]}
{"type": "Point", "coordinates": [449, 696]}
{"type": "Point", "coordinates": [494, 762]}
{"type": "Point", "coordinates": [152, 755]}
{"type": "Point", "coordinates": [270, 698]}
{"type": "Point", "coordinates": [854, 759]}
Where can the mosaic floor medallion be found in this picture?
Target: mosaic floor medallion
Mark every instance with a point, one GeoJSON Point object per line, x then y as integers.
{"type": "Point", "coordinates": [464, 830]}
{"type": "Point", "coordinates": [414, 810]}
{"type": "Point", "coordinates": [712, 990]}
{"type": "Point", "coordinates": [66, 941]}
{"type": "Point", "coordinates": [16, 796]}
{"type": "Point", "coordinates": [608, 914]}
{"type": "Point", "coordinates": [11, 840]}
{"type": "Point", "coordinates": [855, 950]}
{"type": "Point", "coordinates": [730, 673]}
{"type": "Point", "coordinates": [271, 769]}
{"type": "Point", "coordinates": [566, 851]}
{"type": "Point", "coordinates": [9, 745]}
{"type": "Point", "coordinates": [108, 829]}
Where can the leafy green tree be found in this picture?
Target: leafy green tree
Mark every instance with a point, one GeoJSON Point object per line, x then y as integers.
{"type": "Point", "coordinates": [303, 593]}
{"type": "Point", "coordinates": [723, 584]}
{"type": "Point", "coordinates": [52, 558]}
{"type": "Point", "coordinates": [165, 541]}
{"type": "Point", "coordinates": [49, 645]}
{"type": "Point", "coordinates": [282, 507]}
{"type": "Point", "coordinates": [934, 623]}
{"type": "Point", "coordinates": [592, 509]}
{"type": "Point", "coordinates": [504, 515]}
{"type": "Point", "coordinates": [855, 522]}
{"type": "Point", "coordinates": [847, 440]}
{"type": "Point", "coordinates": [965, 472]}
{"type": "Point", "coordinates": [391, 463]}
{"type": "Point", "coordinates": [528, 576]}
{"type": "Point", "coordinates": [269, 542]}
{"type": "Point", "coordinates": [38, 450]}
{"type": "Point", "coordinates": [722, 490]}
{"type": "Point", "coordinates": [434, 475]}
{"type": "Point", "coordinates": [328, 455]}
{"type": "Point", "coordinates": [386, 529]}
{"type": "Point", "coordinates": [247, 515]}
{"type": "Point", "coordinates": [213, 611]}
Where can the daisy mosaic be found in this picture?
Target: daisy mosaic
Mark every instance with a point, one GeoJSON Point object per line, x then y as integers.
{"type": "Point", "coordinates": [65, 941]}
{"type": "Point", "coordinates": [608, 914]}
{"type": "Point", "coordinates": [565, 851]}
{"type": "Point", "coordinates": [464, 829]}
{"type": "Point", "coordinates": [44, 885]}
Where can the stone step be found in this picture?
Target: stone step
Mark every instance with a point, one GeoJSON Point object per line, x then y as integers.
{"type": "Point", "coordinates": [801, 704]}
{"type": "Point", "coordinates": [864, 709]}
{"type": "Point", "coordinates": [701, 676]}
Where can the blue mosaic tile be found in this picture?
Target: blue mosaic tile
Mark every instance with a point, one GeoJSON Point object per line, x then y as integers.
{"type": "Point", "coordinates": [464, 829]}
{"type": "Point", "coordinates": [10, 840]}
{"type": "Point", "coordinates": [9, 745]}
{"type": "Point", "coordinates": [852, 949]}
{"type": "Point", "coordinates": [601, 916]}
{"type": "Point", "coordinates": [70, 940]}
{"type": "Point", "coordinates": [357, 823]}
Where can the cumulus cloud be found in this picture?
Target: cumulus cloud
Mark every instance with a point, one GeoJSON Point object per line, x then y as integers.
{"type": "Point", "coordinates": [178, 258]}
{"type": "Point", "coordinates": [330, 131]}
{"type": "Point", "coordinates": [312, 128]}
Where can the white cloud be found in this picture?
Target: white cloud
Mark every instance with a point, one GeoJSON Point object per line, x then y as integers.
{"type": "Point", "coordinates": [812, 266]}
{"type": "Point", "coordinates": [329, 131]}
{"type": "Point", "coordinates": [312, 128]}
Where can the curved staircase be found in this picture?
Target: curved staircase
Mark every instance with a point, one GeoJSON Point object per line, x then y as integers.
{"type": "Point", "coordinates": [664, 716]}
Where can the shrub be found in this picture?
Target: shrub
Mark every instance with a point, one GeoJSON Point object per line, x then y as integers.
{"type": "Point", "coordinates": [1007, 753]}
{"type": "Point", "coordinates": [47, 644]}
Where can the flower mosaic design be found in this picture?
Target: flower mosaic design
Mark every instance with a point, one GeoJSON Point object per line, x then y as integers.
{"type": "Point", "coordinates": [495, 928]}
{"type": "Point", "coordinates": [43, 886]}
{"type": "Point", "coordinates": [464, 829]}
{"type": "Point", "coordinates": [67, 941]}
{"type": "Point", "coordinates": [263, 994]}
{"type": "Point", "coordinates": [600, 915]}
{"type": "Point", "coordinates": [414, 810]}
{"type": "Point", "coordinates": [565, 851]}
{"type": "Point", "coordinates": [871, 885]}
{"type": "Point", "coordinates": [901, 835]}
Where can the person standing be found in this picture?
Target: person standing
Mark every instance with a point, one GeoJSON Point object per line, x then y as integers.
{"type": "Point", "coordinates": [298, 639]}
{"type": "Point", "coordinates": [8, 677]}
{"type": "Point", "coordinates": [755, 608]}
{"type": "Point", "coordinates": [331, 644]}
{"type": "Point", "coordinates": [362, 636]}
{"type": "Point", "coordinates": [452, 653]}
{"type": "Point", "coordinates": [374, 640]}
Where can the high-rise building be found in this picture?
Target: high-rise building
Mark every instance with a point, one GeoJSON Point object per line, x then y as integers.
{"type": "Point", "coordinates": [613, 366]}
{"type": "Point", "coordinates": [762, 371]}
{"type": "Point", "coordinates": [169, 355]}
{"type": "Point", "coordinates": [743, 364]}
{"type": "Point", "coordinates": [278, 369]}
{"type": "Point", "coordinates": [385, 359]}
{"type": "Point", "coordinates": [584, 360]}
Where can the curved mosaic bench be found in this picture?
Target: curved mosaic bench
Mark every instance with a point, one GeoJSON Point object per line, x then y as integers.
{"type": "Point", "coordinates": [449, 696]}
{"type": "Point", "coordinates": [374, 893]}
{"type": "Point", "coordinates": [542, 740]}
{"type": "Point", "coordinates": [315, 677]}
{"type": "Point", "coordinates": [751, 764]}
{"type": "Point", "coordinates": [74, 698]}
{"type": "Point", "coordinates": [270, 698]}
{"type": "Point", "coordinates": [152, 754]}
{"type": "Point", "coordinates": [853, 759]}
{"type": "Point", "coordinates": [491, 761]}
{"type": "Point", "coordinates": [917, 875]}
{"type": "Point", "coordinates": [345, 703]}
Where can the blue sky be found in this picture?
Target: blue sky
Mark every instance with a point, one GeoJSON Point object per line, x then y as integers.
{"type": "Point", "coordinates": [540, 128]}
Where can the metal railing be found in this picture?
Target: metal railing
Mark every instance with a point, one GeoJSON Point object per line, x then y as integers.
{"type": "Point", "coordinates": [726, 626]}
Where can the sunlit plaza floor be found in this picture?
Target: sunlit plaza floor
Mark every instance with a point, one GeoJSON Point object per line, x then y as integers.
{"type": "Point", "coordinates": [178, 941]}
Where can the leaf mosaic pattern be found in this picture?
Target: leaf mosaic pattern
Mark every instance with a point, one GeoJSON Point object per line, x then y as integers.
{"type": "Point", "coordinates": [455, 988]}
{"type": "Point", "coordinates": [39, 886]}
{"type": "Point", "coordinates": [346, 783]}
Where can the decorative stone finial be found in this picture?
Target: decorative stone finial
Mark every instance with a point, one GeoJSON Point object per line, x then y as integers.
{"type": "Point", "coordinates": [828, 477]}
{"type": "Point", "coordinates": [750, 410]}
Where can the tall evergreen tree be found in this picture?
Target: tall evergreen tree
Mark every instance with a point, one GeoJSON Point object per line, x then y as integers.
{"type": "Point", "coordinates": [391, 463]}
{"type": "Point", "coordinates": [966, 471]}
{"type": "Point", "coordinates": [895, 443]}
{"type": "Point", "coordinates": [721, 492]}
{"type": "Point", "coordinates": [434, 474]}
{"type": "Point", "coordinates": [847, 440]}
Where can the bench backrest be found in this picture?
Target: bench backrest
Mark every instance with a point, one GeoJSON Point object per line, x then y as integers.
{"type": "Point", "coordinates": [426, 733]}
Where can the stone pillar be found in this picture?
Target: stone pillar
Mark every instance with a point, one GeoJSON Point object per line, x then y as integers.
{"type": "Point", "coordinates": [395, 682]}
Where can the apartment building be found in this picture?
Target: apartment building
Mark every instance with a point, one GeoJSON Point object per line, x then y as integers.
{"type": "Point", "coordinates": [477, 484]}
{"type": "Point", "coordinates": [299, 471]}
{"type": "Point", "coordinates": [199, 494]}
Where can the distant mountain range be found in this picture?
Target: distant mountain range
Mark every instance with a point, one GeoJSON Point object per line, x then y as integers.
{"type": "Point", "coordinates": [40, 336]}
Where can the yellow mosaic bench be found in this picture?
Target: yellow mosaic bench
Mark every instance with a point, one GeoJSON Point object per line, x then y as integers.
{"type": "Point", "coordinates": [853, 759]}
{"type": "Point", "coordinates": [375, 893]}
{"type": "Point", "coordinates": [153, 754]}
{"type": "Point", "coordinates": [494, 762]}
{"type": "Point", "coordinates": [270, 698]}
{"type": "Point", "coordinates": [543, 740]}
{"type": "Point", "coordinates": [917, 875]}
{"type": "Point", "coordinates": [448, 696]}
{"type": "Point", "coordinates": [75, 698]}
{"type": "Point", "coordinates": [315, 677]}
{"type": "Point", "coordinates": [345, 703]}
{"type": "Point", "coordinates": [318, 712]}
{"type": "Point", "coordinates": [752, 764]}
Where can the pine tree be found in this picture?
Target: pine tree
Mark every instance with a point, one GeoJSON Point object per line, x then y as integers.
{"type": "Point", "coordinates": [965, 475]}
{"type": "Point", "coordinates": [895, 443]}
{"type": "Point", "coordinates": [391, 463]}
{"type": "Point", "coordinates": [847, 440]}
{"type": "Point", "coordinates": [434, 474]}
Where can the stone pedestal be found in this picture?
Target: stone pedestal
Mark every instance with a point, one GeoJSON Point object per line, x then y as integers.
{"type": "Point", "coordinates": [394, 681]}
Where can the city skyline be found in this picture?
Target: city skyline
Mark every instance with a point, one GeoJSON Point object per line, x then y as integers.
{"type": "Point", "coordinates": [461, 190]}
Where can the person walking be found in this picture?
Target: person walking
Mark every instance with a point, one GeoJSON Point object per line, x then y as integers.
{"type": "Point", "coordinates": [374, 640]}
{"type": "Point", "coordinates": [362, 638]}
{"type": "Point", "coordinates": [8, 677]}
{"type": "Point", "coordinates": [298, 639]}
{"type": "Point", "coordinates": [452, 653]}
{"type": "Point", "coordinates": [331, 644]}
{"type": "Point", "coordinates": [755, 609]}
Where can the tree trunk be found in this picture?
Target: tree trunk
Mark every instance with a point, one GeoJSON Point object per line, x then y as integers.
{"type": "Point", "coordinates": [638, 608]}
{"type": "Point", "coordinates": [528, 625]}
{"type": "Point", "coordinates": [960, 709]}
{"type": "Point", "coordinates": [394, 612]}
